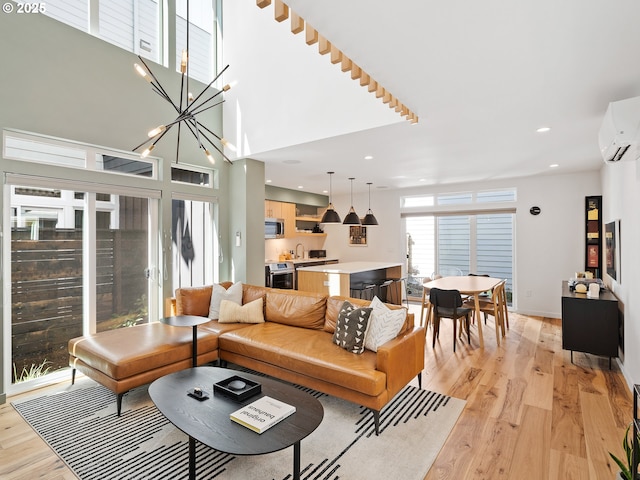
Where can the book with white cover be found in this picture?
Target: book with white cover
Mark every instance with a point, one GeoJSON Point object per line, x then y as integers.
{"type": "Point", "coordinates": [262, 414]}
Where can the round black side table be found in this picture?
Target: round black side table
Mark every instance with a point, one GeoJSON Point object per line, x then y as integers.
{"type": "Point", "coordinates": [188, 321]}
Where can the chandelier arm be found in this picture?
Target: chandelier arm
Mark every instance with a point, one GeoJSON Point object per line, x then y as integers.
{"type": "Point", "coordinates": [182, 92]}
{"type": "Point", "coordinates": [195, 100]}
{"type": "Point", "coordinates": [197, 112]}
{"type": "Point", "coordinates": [178, 144]}
{"type": "Point", "coordinates": [156, 140]}
{"type": "Point", "coordinates": [165, 98]}
{"type": "Point", "coordinates": [210, 131]}
{"type": "Point", "coordinates": [158, 84]}
{"type": "Point", "coordinates": [209, 140]}
{"type": "Point", "coordinates": [194, 108]}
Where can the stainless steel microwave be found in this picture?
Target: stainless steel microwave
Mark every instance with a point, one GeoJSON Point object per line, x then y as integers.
{"type": "Point", "coordinates": [273, 228]}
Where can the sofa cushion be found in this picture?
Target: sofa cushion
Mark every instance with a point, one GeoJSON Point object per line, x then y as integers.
{"type": "Point", "coordinates": [291, 307]}
{"type": "Point", "coordinates": [352, 327]}
{"type": "Point", "coordinates": [231, 312]}
{"type": "Point", "coordinates": [307, 352]}
{"type": "Point", "coordinates": [253, 292]}
{"type": "Point", "coordinates": [124, 352]}
{"type": "Point", "coordinates": [193, 300]}
{"type": "Point", "coordinates": [384, 324]}
{"type": "Point", "coordinates": [219, 293]}
{"type": "Point", "coordinates": [334, 304]}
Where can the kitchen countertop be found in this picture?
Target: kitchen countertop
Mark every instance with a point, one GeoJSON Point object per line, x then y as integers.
{"type": "Point", "coordinates": [302, 261]}
{"type": "Point", "coordinates": [350, 267]}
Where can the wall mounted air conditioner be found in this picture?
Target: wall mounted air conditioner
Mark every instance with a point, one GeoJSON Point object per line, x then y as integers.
{"type": "Point", "coordinates": [620, 131]}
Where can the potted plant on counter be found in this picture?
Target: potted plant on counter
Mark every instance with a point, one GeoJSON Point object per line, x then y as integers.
{"type": "Point", "coordinates": [626, 465]}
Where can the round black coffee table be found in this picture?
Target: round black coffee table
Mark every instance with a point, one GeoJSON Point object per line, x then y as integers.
{"type": "Point", "coordinates": [188, 321]}
{"type": "Point", "coordinates": [208, 421]}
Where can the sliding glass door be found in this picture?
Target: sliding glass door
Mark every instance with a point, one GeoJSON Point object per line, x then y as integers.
{"type": "Point", "coordinates": [466, 243]}
{"type": "Point", "coordinates": [82, 260]}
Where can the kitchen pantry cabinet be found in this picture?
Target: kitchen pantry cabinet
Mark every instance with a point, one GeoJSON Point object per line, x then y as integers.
{"type": "Point", "coordinates": [284, 210]}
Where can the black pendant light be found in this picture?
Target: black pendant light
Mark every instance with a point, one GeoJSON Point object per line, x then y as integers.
{"type": "Point", "coordinates": [330, 215]}
{"type": "Point", "coordinates": [369, 218]}
{"type": "Point", "coordinates": [352, 217]}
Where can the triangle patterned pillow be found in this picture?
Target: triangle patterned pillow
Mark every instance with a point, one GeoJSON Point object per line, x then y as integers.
{"type": "Point", "coordinates": [351, 327]}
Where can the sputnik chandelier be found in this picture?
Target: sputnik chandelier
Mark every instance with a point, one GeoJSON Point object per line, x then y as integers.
{"type": "Point", "coordinates": [187, 108]}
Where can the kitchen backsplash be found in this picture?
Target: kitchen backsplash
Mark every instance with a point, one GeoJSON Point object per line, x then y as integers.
{"type": "Point", "coordinates": [274, 247]}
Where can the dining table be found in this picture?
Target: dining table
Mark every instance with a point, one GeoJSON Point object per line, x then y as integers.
{"type": "Point", "coordinates": [467, 285]}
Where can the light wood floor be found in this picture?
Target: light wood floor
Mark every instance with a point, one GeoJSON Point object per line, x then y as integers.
{"type": "Point", "coordinates": [530, 413]}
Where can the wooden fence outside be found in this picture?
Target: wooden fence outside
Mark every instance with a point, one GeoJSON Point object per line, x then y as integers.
{"type": "Point", "coordinates": [47, 289]}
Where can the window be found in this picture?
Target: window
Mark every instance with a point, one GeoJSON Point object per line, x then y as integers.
{"type": "Point", "coordinates": [192, 233]}
{"type": "Point", "coordinates": [470, 243]}
{"type": "Point", "coordinates": [459, 198]}
{"type": "Point", "coordinates": [192, 175]}
{"type": "Point", "coordinates": [135, 25]}
{"type": "Point", "coordinates": [132, 25]}
{"type": "Point", "coordinates": [79, 263]}
{"type": "Point", "coordinates": [41, 149]}
{"type": "Point", "coordinates": [201, 38]}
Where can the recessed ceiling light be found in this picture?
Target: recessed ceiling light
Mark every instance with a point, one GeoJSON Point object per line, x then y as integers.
{"type": "Point", "coordinates": [422, 180]}
{"type": "Point", "coordinates": [543, 129]}
{"type": "Point", "coordinates": [368, 157]}
{"type": "Point", "coordinates": [300, 186]}
{"type": "Point", "coordinates": [554, 165]}
{"type": "Point", "coordinates": [268, 181]}
{"type": "Point", "coordinates": [325, 191]}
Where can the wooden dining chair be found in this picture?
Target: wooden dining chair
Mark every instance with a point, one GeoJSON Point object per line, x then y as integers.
{"type": "Point", "coordinates": [448, 304]}
{"type": "Point", "coordinates": [426, 305]}
{"type": "Point", "coordinates": [495, 306]}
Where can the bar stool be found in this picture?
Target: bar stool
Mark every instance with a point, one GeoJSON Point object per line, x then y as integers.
{"type": "Point", "coordinates": [395, 288]}
{"type": "Point", "coordinates": [382, 288]}
{"type": "Point", "coordinates": [364, 291]}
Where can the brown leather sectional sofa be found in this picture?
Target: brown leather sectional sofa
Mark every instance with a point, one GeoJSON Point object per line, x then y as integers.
{"type": "Point", "coordinates": [293, 344]}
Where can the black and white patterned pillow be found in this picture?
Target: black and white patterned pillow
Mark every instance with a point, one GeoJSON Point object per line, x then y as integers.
{"type": "Point", "coordinates": [351, 327]}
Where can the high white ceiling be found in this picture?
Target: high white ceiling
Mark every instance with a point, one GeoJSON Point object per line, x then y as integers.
{"type": "Point", "coordinates": [482, 76]}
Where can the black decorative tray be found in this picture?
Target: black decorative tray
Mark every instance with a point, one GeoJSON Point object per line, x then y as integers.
{"type": "Point", "coordinates": [237, 388]}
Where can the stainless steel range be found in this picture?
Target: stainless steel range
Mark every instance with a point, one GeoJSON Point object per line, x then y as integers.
{"type": "Point", "coordinates": [279, 275]}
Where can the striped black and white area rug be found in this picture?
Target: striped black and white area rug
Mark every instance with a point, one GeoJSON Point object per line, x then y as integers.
{"type": "Point", "coordinates": [81, 426]}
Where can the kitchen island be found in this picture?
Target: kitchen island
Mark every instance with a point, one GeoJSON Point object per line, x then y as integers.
{"type": "Point", "coordinates": [344, 278]}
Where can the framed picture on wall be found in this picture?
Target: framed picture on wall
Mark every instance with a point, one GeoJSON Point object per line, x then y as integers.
{"type": "Point", "coordinates": [612, 249]}
{"type": "Point", "coordinates": [358, 236]}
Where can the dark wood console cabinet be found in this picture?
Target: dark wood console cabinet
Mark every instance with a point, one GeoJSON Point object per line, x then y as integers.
{"type": "Point", "coordinates": [590, 325]}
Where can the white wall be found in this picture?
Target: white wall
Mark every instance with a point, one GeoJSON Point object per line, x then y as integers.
{"type": "Point", "coordinates": [621, 189]}
{"type": "Point", "coordinates": [289, 93]}
{"type": "Point", "coordinates": [549, 247]}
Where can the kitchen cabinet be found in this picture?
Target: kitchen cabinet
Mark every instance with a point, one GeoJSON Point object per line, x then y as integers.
{"type": "Point", "coordinates": [288, 212]}
{"type": "Point", "coordinates": [284, 210]}
{"type": "Point", "coordinates": [590, 325]}
{"type": "Point", "coordinates": [272, 209]}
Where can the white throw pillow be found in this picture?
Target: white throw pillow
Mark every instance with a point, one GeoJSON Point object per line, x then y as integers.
{"type": "Point", "coordinates": [251, 312]}
{"type": "Point", "coordinates": [219, 293]}
{"type": "Point", "coordinates": [384, 325]}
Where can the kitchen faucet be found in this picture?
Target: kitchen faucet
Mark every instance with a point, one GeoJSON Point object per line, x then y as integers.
{"type": "Point", "coordinates": [299, 245]}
